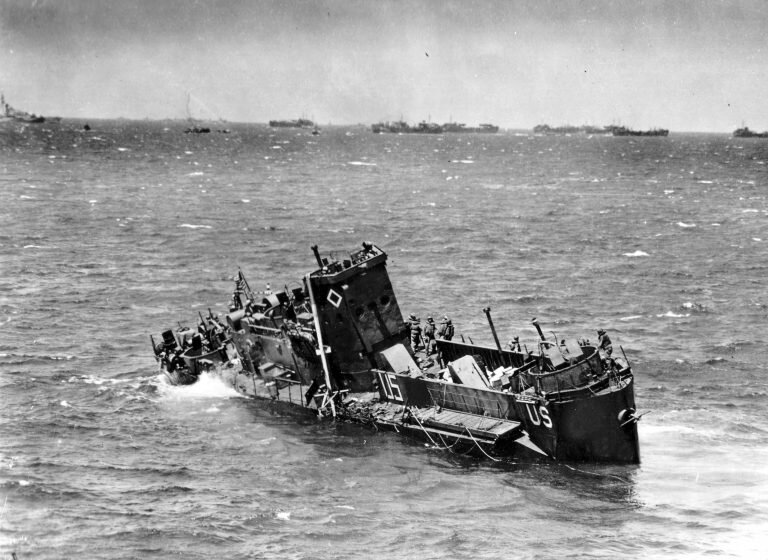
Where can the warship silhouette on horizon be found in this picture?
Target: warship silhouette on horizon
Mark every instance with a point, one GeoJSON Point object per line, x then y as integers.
{"type": "Point", "coordinates": [425, 127]}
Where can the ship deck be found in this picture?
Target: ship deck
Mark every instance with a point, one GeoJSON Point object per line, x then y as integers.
{"type": "Point", "coordinates": [455, 422]}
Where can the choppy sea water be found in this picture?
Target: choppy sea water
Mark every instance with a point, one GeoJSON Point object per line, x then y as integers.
{"type": "Point", "coordinates": [110, 235]}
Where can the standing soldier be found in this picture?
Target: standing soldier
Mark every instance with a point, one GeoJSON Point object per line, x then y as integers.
{"type": "Point", "coordinates": [446, 329]}
{"type": "Point", "coordinates": [604, 343]}
{"type": "Point", "coordinates": [415, 325]}
{"type": "Point", "coordinates": [429, 336]}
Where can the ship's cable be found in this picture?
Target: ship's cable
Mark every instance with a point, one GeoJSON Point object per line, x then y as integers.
{"type": "Point", "coordinates": [480, 447]}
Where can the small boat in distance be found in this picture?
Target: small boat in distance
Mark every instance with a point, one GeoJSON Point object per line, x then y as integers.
{"type": "Point", "coordinates": [745, 132]}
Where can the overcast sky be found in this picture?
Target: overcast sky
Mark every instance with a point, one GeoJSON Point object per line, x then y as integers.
{"type": "Point", "coordinates": [683, 65]}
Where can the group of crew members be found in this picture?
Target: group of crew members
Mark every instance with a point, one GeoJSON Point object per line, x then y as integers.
{"type": "Point", "coordinates": [425, 337]}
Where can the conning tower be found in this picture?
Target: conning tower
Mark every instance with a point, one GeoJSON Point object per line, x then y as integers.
{"type": "Point", "coordinates": [357, 313]}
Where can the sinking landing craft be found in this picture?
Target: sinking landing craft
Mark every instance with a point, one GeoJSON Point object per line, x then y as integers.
{"type": "Point", "coordinates": [336, 345]}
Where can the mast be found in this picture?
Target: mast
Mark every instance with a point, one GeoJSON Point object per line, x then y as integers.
{"type": "Point", "coordinates": [321, 347]}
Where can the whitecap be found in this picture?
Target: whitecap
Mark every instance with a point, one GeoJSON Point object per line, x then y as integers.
{"type": "Point", "coordinates": [756, 239]}
{"type": "Point", "coordinates": [212, 409]}
{"type": "Point", "coordinates": [92, 201]}
{"type": "Point", "coordinates": [637, 253]}
{"type": "Point", "coordinates": [193, 226]}
{"type": "Point", "coordinates": [208, 385]}
{"type": "Point", "coordinates": [244, 200]}
{"type": "Point", "coordinates": [749, 211]}
{"type": "Point", "coordinates": [462, 161]}
{"type": "Point", "coordinates": [65, 404]}
{"type": "Point", "coordinates": [195, 174]}
{"type": "Point", "coordinates": [24, 483]}
{"type": "Point", "coordinates": [361, 163]}
{"type": "Point", "coordinates": [705, 182]}
{"type": "Point", "coordinates": [33, 247]}
{"type": "Point", "coordinates": [25, 197]}
{"type": "Point", "coordinates": [631, 318]}
{"type": "Point", "coordinates": [284, 515]}
{"type": "Point", "coordinates": [684, 225]}
{"type": "Point", "coordinates": [671, 315]}
{"type": "Point", "coordinates": [122, 149]}
{"type": "Point", "coordinates": [345, 507]}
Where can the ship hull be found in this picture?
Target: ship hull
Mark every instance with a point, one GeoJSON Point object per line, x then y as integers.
{"type": "Point", "coordinates": [338, 347]}
{"type": "Point", "coordinates": [585, 429]}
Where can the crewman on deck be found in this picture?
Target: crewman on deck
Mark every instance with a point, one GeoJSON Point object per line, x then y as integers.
{"type": "Point", "coordinates": [445, 331]}
{"type": "Point", "coordinates": [415, 324]}
{"type": "Point", "coordinates": [604, 342]}
{"type": "Point", "coordinates": [429, 336]}
{"type": "Point", "coordinates": [514, 344]}
{"type": "Point", "coordinates": [235, 304]}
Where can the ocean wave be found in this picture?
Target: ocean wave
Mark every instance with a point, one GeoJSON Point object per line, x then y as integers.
{"type": "Point", "coordinates": [208, 386]}
{"type": "Point", "coordinates": [194, 226]}
{"type": "Point", "coordinates": [637, 253]}
{"type": "Point", "coordinates": [363, 163]}
{"type": "Point", "coordinates": [630, 318]}
{"type": "Point", "coordinates": [673, 315]}
{"type": "Point", "coordinates": [21, 359]}
{"type": "Point", "coordinates": [684, 225]}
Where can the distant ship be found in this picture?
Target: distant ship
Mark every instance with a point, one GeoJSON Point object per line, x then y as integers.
{"type": "Point", "coordinates": [425, 127]}
{"type": "Point", "coordinates": [11, 114]}
{"type": "Point", "coordinates": [570, 129]}
{"type": "Point", "coordinates": [390, 126]}
{"type": "Point", "coordinates": [298, 123]}
{"type": "Point", "coordinates": [745, 132]}
{"type": "Point", "coordinates": [624, 131]}
{"type": "Point", "coordinates": [461, 127]}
